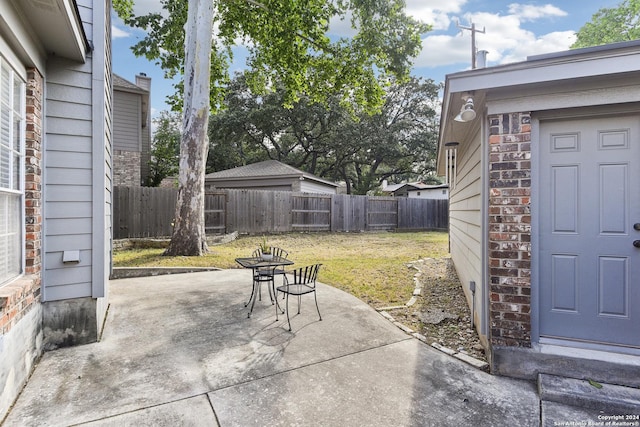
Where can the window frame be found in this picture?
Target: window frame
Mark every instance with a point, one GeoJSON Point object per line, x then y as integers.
{"type": "Point", "coordinates": [16, 177]}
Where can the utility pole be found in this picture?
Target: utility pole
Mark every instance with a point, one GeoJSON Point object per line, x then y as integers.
{"type": "Point", "coordinates": [473, 30]}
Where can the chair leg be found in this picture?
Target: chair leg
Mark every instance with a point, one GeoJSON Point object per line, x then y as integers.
{"type": "Point", "coordinates": [253, 289]}
{"type": "Point", "coordinates": [317, 308]}
{"type": "Point", "coordinates": [277, 303]}
{"type": "Point", "coordinates": [271, 285]}
{"type": "Point", "coordinates": [288, 320]}
{"type": "Point", "coordinates": [253, 303]}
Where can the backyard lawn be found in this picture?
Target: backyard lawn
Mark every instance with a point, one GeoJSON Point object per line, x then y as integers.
{"type": "Point", "coordinates": [371, 266]}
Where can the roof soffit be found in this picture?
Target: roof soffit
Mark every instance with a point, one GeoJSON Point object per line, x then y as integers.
{"type": "Point", "coordinates": [57, 25]}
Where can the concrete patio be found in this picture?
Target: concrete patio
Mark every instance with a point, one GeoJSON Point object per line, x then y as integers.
{"type": "Point", "coordinates": [179, 350]}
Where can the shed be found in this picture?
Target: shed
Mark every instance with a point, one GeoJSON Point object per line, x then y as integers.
{"type": "Point", "coordinates": [270, 175]}
{"type": "Point", "coordinates": [417, 190]}
{"type": "Point", "coordinates": [544, 160]}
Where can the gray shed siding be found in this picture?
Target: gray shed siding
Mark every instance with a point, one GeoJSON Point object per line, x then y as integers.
{"type": "Point", "coordinates": [126, 121]}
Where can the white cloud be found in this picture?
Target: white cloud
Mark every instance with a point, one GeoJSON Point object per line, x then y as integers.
{"type": "Point", "coordinates": [441, 50]}
{"type": "Point", "coordinates": [341, 27]}
{"type": "Point", "coordinates": [143, 7]}
{"type": "Point", "coordinates": [504, 39]}
{"type": "Point", "coordinates": [434, 12]}
{"type": "Point", "coordinates": [118, 33]}
{"type": "Point", "coordinates": [552, 42]}
{"type": "Point", "coordinates": [529, 12]}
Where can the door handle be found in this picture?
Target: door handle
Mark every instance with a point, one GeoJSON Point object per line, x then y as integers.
{"type": "Point", "coordinates": [636, 243]}
{"type": "Point", "coordinates": [636, 226]}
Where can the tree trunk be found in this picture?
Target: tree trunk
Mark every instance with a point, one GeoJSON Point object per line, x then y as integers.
{"type": "Point", "coordinates": [189, 238]}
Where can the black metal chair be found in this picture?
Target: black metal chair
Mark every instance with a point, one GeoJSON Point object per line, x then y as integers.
{"type": "Point", "coordinates": [260, 276]}
{"type": "Point", "coordinates": [279, 253]}
{"type": "Point", "coordinates": [304, 282]}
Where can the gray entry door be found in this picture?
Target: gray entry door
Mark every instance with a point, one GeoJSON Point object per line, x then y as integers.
{"type": "Point", "coordinates": [589, 202]}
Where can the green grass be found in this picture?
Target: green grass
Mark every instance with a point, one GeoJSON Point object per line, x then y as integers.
{"type": "Point", "coordinates": [371, 266]}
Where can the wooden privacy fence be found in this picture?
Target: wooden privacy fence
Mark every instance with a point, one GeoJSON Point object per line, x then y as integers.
{"type": "Point", "coordinates": [148, 212]}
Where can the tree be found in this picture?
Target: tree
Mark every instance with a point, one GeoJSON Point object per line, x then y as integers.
{"type": "Point", "coordinates": [288, 42]}
{"type": "Point", "coordinates": [165, 148]}
{"type": "Point", "coordinates": [189, 237]}
{"type": "Point", "coordinates": [610, 25]}
{"type": "Point", "coordinates": [328, 140]}
{"type": "Point", "coordinates": [399, 142]}
{"type": "Point", "coordinates": [257, 127]}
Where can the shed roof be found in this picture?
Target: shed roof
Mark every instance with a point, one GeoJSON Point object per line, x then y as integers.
{"type": "Point", "coordinates": [266, 169]}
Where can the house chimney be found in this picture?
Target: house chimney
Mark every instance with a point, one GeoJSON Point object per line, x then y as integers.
{"type": "Point", "coordinates": [482, 58]}
{"type": "Point", "coordinates": [143, 81]}
{"type": "Point", "coordinates": [384, 183]}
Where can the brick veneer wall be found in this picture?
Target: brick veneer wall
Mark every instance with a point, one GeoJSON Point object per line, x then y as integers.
{"type": "Point", "coordinates": [18, 297]}
{"type": "Point", "coordinates": [510, 229]}
{"type": "Point", "coordinates": [126, 168]}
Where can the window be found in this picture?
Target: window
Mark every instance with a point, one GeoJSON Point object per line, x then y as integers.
{"type": "Point", "coordinates": [12, 121]}
{"type": "Point", "coordinates": [444, 191]}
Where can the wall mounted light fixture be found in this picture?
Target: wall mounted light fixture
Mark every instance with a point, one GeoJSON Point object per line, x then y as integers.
{"type": "Point", "coordinates": [467, 113]}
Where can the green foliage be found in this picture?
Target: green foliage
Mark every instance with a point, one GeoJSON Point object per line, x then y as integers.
{"type": "Point", "coordinates": [264, 246]}
{"type": "Point", "coordinates": [328, 140]}
{"type": "Point", "coordinates": [288, 42]}
{"type": "Point", "coordinates": [165, 148]}
{"type": "Point", "coordinates": [610, 25]}
{"type": "Point", "coordinates": [124, 8]}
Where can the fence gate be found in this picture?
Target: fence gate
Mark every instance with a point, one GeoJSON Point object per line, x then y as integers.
{"type": "Point", "coordinates": [215, 218]}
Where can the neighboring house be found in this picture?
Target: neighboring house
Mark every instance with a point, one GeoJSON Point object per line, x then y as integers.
{"type": "Point", "coordinates": [131, 130]}
{"type": "Point", "coordinates": [545, 210]}
{"type": "Point", "coordinates": [417, 190]}
{"type": "Point", "coordinates": [55, 179]}
{"type": "Point", "coordinates": [269, 175]}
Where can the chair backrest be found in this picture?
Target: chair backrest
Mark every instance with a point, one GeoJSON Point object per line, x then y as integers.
{"type": "Point", "coordinates": [279, 252]}
{"type": "Point", "coordinates": [257, 253]}
{"type": "Point", "coordinates": [306, 275]}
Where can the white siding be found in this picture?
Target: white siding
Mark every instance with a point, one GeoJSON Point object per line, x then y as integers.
{"type": "Point", "coordinates": [307, 186]}
{"type": "Point", "coordinates": [126, 121]}
{"type": "Point", "coordinates": [429, 193]}
{"type": "Point", "coordinates": [465, 216]}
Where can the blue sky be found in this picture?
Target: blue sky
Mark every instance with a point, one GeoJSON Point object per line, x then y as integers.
{"type": "Point", "coordinates": [513, 31]}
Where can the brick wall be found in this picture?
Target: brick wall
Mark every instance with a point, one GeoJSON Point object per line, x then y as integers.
{"type": "Point", "coordinates": [510, 229]}
{"type": "Point", "coordinates": [126, 168]}
{"type": "Point", "coordinates": [17, 298]}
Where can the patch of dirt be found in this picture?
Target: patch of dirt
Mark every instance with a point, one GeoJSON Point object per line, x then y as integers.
{"type": "Point", "coordinates": [441, 312]}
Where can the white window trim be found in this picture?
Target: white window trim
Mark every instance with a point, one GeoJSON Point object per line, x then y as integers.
{"type": "Point", "coordinates": [20, 192]}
